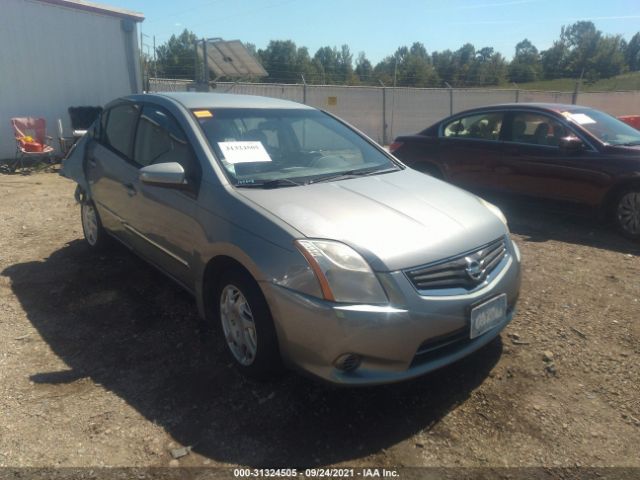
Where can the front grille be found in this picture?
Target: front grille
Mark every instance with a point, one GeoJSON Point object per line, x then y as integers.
{"type": "Point", "coordinates": [466, 270]}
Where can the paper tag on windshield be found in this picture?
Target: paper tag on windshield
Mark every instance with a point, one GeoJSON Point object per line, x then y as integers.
{"type": "Point", "coordinates": [580, 118]}
{"type": "Point", "coordinates": [244, 152]}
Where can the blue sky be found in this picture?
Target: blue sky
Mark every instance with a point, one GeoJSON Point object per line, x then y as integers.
{"type": "Point", "coordinates": [378, 28]}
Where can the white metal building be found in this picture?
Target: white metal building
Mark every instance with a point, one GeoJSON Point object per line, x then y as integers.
{"type": "Point", "coordinates": [56, 54]}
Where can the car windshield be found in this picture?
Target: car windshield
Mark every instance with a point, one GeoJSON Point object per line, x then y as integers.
{"type": "Point", "coordinates": [287, 147]}
{"type": "Point", "coordinates": [604, 127]}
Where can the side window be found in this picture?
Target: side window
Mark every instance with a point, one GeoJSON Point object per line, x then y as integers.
{"type": "Point", "coordinates": [536, 129]}
{"type": "Point", "coordinates": [161, 140]}
{"type": "Point", "coordinates": [483, 126]}
{"type": "Point", "coordinates": [119, 130]}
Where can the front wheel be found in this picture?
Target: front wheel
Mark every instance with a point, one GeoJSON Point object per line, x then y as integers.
{"type": "Point", "coordinates": [627, 212]}
{"type": "Point", "coordinates": [247, 325]}
{"type": "Point", "coordinates": [94, 233]}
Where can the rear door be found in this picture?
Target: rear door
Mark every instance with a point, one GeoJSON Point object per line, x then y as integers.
{"type": "Point", "coordinates": [110, 169]}
{"type": "Point", "coordinates": [470, 147]}
{"type": "Point", "coordinates": [534, 164]}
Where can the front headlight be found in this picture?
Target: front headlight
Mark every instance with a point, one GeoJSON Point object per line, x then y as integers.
{"type": "Point", "coordinates": [495, 210]}
{"type": "Point", "coordinates": [343, 274]}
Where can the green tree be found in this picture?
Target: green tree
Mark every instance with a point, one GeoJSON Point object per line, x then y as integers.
{"type": "Point", "coordinates": [416, 68]}
{"type": "Point", "coordinates": [176, 57]}
{"type": "Point", "coordinates": [488, 68]}
{"type": "Point", "coordinates": [364, 70]}
{"type": "Point", "coordinates": [285, 62]}
{"type": "Point", "coordinates": [526, 65]}
{"type": "Point", "coordinates": [608, 59]}
{"type": "Point", "coordinates": [554, 60]}
{"type": "Point", "coordinates": [345, 66]}
{"type": "Point", "coordinates": [326, 63]}
{"type": "Point", "coordinates": [463, 60]}
{"type": "Point", "coordinates": [335, 66]}
{"type": "Point", "coordinates": [444, 65]}
{"type": "Point", "coordinates": [408, 67]}
{"type": "Point", "coordinates": [582, 39]}
{"type": "Point", "coordinates": [632, 53]}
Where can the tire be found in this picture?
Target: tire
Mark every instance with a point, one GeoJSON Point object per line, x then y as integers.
{"type": "Point", "coordinates": [246, 325]}
{"type": "Point", "coordinates": [94, 233]}
{"type": "Point", "coordinates": [626, 212]}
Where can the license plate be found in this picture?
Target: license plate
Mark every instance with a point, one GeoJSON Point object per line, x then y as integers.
{"type": "Point", "coordinates": [488, 315]}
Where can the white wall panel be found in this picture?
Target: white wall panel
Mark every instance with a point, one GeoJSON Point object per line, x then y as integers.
{"type": "Point", "coordinates": [360, 106]}
{"type": "Point", "coordinates": [409, 110]}
{"type": "Point", "coordinates": [615, 103]}
{"type": "Point", "coordinates": [546, 97]}
{"type": "Point", "coordinates": [52, 58]}
{"type": "Point", "coordinates": [286, 92]}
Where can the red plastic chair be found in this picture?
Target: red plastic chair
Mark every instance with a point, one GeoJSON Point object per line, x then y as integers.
{"type": "Point", "coordinates": [31, 140]}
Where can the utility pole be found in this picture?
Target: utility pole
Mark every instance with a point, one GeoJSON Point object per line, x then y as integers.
{"type": "Point", "coordinates": [196, 77]}
{"type": "Point", "coordinates": [395, 71]}
{"type": "Point", "coordinates": [450, 97]}
{"type": "Point", "coordinates": [576, 90]}
{"type": "Point", "coordinates": [205, 64]}
{"type": "Point", "coordinates": [304, 89]}
{"type": "Point", "coordinates": [155, 61]}
{"type": "Point", "coordinates": [144, 67]}
{"type": "Point", "coordinates": [384, 112]}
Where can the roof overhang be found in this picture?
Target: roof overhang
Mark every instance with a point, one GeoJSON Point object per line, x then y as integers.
{"type": "Point", "coordinates": [97, 8]}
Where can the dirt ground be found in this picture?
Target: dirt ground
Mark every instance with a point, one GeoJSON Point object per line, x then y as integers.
{"type": "Point", "coordinates": [102, 363]}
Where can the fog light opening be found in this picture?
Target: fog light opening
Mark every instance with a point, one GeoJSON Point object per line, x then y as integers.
{"type": "Point", "coordinates": [347, 362]}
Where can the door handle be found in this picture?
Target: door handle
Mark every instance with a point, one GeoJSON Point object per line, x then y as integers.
{"type": "Point", "coordinates": [131, 190]}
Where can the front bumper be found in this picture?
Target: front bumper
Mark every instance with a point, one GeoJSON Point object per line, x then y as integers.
{"type": "Point", "coordinates": [413, 335]}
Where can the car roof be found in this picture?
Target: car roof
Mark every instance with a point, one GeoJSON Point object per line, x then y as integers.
{"type": "Point", "coordinates": [227, 100]}
{"type": "Point", "coordinates": [553, 107]}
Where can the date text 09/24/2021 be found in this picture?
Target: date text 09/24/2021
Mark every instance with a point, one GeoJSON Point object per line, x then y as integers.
{"type": "Point", "coordinates": [315, 473]}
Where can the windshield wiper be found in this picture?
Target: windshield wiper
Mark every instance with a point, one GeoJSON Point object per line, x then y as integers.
{"type": "Point", "coordinates": [630, 144]}
{"type": "Point", "coordinates": [352, 173]}
{"type": "Point", "coordinates": [276, 183]}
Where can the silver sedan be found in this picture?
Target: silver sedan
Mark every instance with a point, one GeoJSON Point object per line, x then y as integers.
{"type": "Point", "coordinates": [305, 242]}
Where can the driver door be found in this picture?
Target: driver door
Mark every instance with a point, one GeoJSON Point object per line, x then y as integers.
{"type": "Point", "coordinates": [162, 219]}
{"type": "Point", "coordinates": [534, 164]}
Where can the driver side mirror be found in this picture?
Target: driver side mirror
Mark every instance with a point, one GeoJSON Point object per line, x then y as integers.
{"type": "Point", "coordinates": [170, 174]}
{"type": "Point", "coordinates": [571, 144]}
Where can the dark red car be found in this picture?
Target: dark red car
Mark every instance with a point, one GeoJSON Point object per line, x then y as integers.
{"type": "Point", "coordinates": [562, 152]}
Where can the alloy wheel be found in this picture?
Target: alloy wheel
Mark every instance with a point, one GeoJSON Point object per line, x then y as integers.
{"type": "Point", "coordinates": [238, 325]}
{"type": "Point", "coordinates": [90, 223]}
{"type": "Point", "coordinates": [628, 213]}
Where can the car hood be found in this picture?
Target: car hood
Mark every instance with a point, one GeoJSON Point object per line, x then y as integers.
{"type": "Point", "coordinates": [630, 150]}
{"type": "Point", "coordinates": [395, 220]}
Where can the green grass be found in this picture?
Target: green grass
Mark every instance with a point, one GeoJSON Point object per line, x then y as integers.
{"type": "Point", "coordinates": [628, 81]}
